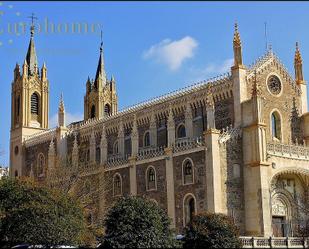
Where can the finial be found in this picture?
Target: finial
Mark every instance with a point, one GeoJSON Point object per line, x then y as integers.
{"type": "Point", "coordinates": [236, 40]}
{"type": "Point", "coordinates": [256, 88]}
{"type": "Point", "coordinates": [101, 44]}
{"type": "Point", "coordinates": [32, 17]}
{"type": "Point", "coordinates": [298, 58]}
{"type": "Point", "coordinates": [61, 103]}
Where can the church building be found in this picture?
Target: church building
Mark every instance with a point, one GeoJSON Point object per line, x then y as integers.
{"type": "Point", "coordinates": [235, 144]}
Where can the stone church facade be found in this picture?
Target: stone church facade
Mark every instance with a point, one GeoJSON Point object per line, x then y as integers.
{"type": "Point", "coordinates": [236, 144]}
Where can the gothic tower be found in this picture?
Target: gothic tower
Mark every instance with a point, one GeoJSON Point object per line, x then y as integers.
{"type": "Point", "coordinates": [101, 97]}
{"type": "Point", "coordinates": [29, 106]}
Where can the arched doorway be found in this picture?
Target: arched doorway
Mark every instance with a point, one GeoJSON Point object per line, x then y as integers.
{"type": "Point", "coordinates": [289, 202]}
{"type": "Point", "coordinates": [189, 208]}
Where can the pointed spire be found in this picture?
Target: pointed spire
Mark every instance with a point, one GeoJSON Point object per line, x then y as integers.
{"type": "Point", "coordinates": [237, 48]}
{"type": "Point", "coordinates": [61, 112]}
{"type": "Point", "coordinates": [44, 72]}
{"type": "Point", "coordinates": [100, 77]}
{"type": "Point", "coordinates": [298, 65]}
{"type": "Point", "coordinates": [31, 57]}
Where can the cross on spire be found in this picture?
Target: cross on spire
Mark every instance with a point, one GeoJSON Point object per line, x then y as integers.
{"type": "Point", "coordinates": [101, 44]}
{"type": "Point", "coordinates": [32, 17]}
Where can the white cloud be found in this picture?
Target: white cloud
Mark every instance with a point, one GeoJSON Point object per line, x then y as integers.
{"type": "Point", "coordinates": [69, 118]}
{"type": "Point", "coordinates": [212, 69]}
{"type": "Point", "coordinates": [172, 53]}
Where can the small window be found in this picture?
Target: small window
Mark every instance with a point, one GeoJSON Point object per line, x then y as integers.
{"type": "Point", "coordinates": [35, 104]}
{"type": "Point", "coordinates": [107, 110]}
{"type": "Point", "coordinates": [16, 150]}
{"type": "Point", "coordinates": [117, 185]}
{"type": "Point", "coordinates": [276, 125]}
{"type": "Point", "coordinates": [236, 171]}
{"type": "Point", "coordinates": [16, 173]}
{"type": "Point", "coordinates": [115, 148]}
{"type": "Point", "coordinates": [98, 155]}
{"type": "Point", "coordinates": [18, 106]}
{"type": "Point", "coordinates": [187, 172]}
{"type": "Point", "coordinates": [181, 131]}
{"type": "Point", "coordinates": [151, 179]}
{"type": "Point", "coordinates": [146, 139]}
{"type": "Point", "coordinates": [92, 115]}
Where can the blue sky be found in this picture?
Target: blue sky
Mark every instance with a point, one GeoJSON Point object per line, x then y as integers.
{"type": "Point", "coordinates": [150, 47]}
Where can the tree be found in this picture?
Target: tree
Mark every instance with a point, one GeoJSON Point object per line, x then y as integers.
{"type": "Point", "coordinates": [85, 182]}
{"type": "Point", "coordinates": [33, 214]}
{"type": "Point", "coordinates": [208, 230]}
{"type": "Point", "coordinates": [135, 222]}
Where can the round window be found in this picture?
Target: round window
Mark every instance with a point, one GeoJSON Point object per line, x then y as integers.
{"type": "Point", "coordinates": [274, 84]}
{"type": "Point", "coordinates": [16, 150]}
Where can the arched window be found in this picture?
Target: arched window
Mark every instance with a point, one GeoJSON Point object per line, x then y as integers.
{"type": "Point", "coordinates": [35, 104]}
{"type": "Point", "coordinates": [181, 131]}
{"type": "Point", "coordinates": [276, 125]}
{"type": "Point", "coordinates": [189, 208]}
{"type": "Point", "coordinates": [115, 148]}
{"type": "Point", "coordinates": [16, 173]}
{"type": "Point", "coordinates": [107, 110]}
{"type": "Point", "coordinates": [98, 155]}
{"type": "Point", "coordinates": [18, 106]}
{"type": "Point", "coordinates": [147, 139]}
{"type": "Point", "coordinates": [41, 165]}
{"type": "Point", "coordinates": [92, 114]}
{"type": "Point", "coordinates": [187, 171]}
{"type": "Point", "coordinates": [151, 178]}
{"type": "Point", "coordinates": [117, 184]}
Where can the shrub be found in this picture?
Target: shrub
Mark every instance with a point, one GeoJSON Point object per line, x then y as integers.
{"type": "Point", "coordinates": [135, 222]}
{"type": "Point", "coordinates": [211, 231]}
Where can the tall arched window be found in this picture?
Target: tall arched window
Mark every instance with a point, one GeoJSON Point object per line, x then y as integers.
{"type": "Point", "coordinates": [187, 171]}
{"type": "Point", "coordinates": [41, 165]}
{"type": "Point", "coordinates": [18, 106]}
{"type": "Point", "coordinates": [189, 208]}
{"type": "Point", "coordinates": [117, 184]}
{"type": "Point", "coordinates": [151, 178]}
{"type": "Point", "coordinates": [115, 148]}
{"type": "Point", "coordinates": [92, 114]}
{"type": "Point", "coordinates": [276, 125]}
{"type": "Point", "coordinates": [107, 110]}
{"type": "Point", "coordinates": [35, 104]}
{"type": "Point", "coordinates": [181, 131]}
{"type": "Point", "coordinates": [98, 155]}
{"type": "Point", "coordinates": [16, 173]}
{"type": "Point", "coordinates": [146, 139]}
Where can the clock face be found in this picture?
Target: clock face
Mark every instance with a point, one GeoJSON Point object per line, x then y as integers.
{"type": "Point", "coordinates": [274, 85]}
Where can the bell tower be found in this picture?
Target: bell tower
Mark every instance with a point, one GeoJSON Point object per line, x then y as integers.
{"type": "Point", "coordinates": [29, 105]}
{"type": "Point", "coordinates": [101, 97]}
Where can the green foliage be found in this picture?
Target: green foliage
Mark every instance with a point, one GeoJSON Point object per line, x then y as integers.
{"type": "Point", "coordinates": [211, 231]}
{"type": "Point", "coordinates": [135, 222]}
{"type": "Point", "coordinates": [32, 214]}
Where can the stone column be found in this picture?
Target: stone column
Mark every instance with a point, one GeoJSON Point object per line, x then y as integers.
{"type": "Point", "coordinates": [170, 129]}
{"type": "Point", "coordinates": [133, 182]}
{"type": "Point", "coordinates": [189, 121]}
{"type": "Point", "coordinates": [213, 171]}
{"type": "Point", "coordinates": [134, 138]}
{"type": "Point", "coordinates": [51, 155]}
{"type": "Point", "coordinates": [75, 152]}
{"type": "Point", "coordinates": [121, 139]}
{"type": "Point", "coordinates": [210, 111]}
{"type": "Point", "coordinates": [170, 189]}
{"type": "Point", "coordinates": [153, 130]}
{"type": "Point", "coordinates": [92, 147]}
{"type": "Point", "coordinates": [103, 146]}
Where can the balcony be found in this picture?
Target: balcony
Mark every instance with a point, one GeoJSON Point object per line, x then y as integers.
{"type": "Point", "coordinates": [117, 160]}
{"type": "Point", "coordinates": [150, 152]}
{"type": "Point", "coordinates": [183, 144]}
{"type": "Point", "coordinates": [288, 150]}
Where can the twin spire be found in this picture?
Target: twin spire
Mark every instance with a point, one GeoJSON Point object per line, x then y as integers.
{"type": "Point", "coordinates": [31, 57]}
{"type": "Point", "coordinates": [237, 49]}
{"type": "Point", "coordinates": [298, 66]}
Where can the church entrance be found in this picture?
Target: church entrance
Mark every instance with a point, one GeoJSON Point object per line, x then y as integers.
{"type": "Point", "coordinates": [278, 224]}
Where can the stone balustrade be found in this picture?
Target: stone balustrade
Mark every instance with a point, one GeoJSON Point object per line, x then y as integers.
{"type": "Point", "coordinates": [150, 152]}
{"type": "Point", "coordinates": [116, 160]}
{"type": "Point", "coordinates": [288, 150]}
{"type": "Point", "coordinates": [183, 144]}
{"type": "Point", "coordinates": [274, 242]}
